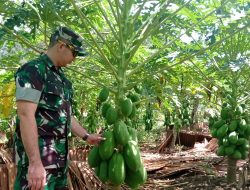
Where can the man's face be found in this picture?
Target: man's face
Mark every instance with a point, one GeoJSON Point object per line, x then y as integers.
{"type": "Point", "coordinates": [67, 53]}
{"type": "Point", "coordinates": [69, 46]}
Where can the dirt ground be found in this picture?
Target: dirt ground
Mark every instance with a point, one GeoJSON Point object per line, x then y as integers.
{"type": "Point", "coordinates": [182, 168]}
{"type": "Point", "coordinates": [191, 165]}
{"type": "Point", "coordinates": [185, 168]}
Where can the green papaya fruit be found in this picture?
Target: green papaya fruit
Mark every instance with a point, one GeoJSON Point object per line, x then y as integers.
{"type": "Point", "coordinates": [233, 125]}
{"type": "Point", "coordinates": [241, 141]}
{"type": "Point", "coordinates": [219, 123]}
{"type": "Point", "coordinates": [111, 115]}
{"type": "Point", "coordinates": [247, 131]}
{"type": "Point", "coordinates": [106, 147]}
{"type": "Point", "coordinates": [135, 179]}
{"type": "Point", "coordinates": [222, 131]}
{"type": "Point", "coordinates": [236, 155]}
{"type": "Point", "coordinates": [231, 100]}
{"type": "Point", "coordinates": [226, 141]}
{"type": "Point", "coordinates": [229, 150]}
{"type": "Point", "coordinates": [220, 142]}
{"type": "Point", "coordinates": [105, 107]}
{"type": "Point", "coordinates": [132, 156]}
{"type": "Point", "coordinates": [233, 137]}
{"type": "Point", "coordinates": [243, 125]}
{"type": "Point", "coordinates": [225, 113]}
{"type": "Point", "coordinates": [221, 151]}
{"type": "Point", "coordinates": [238, 110]}
{"type": "Point", "coordinates": [93, 157]}
{"type": "Point", "coordinates": [133, 134]}
{"type": "Point", "coordinates": [214, 133]}
{"type": "Point", "coordinates": [121, 133]}
{"type": "Point", "coordinates": [103, 171]}
{"type": "Point", "coordinates": [126, 106]}
{"type": "Point", "coordinates": [211, 121]}
{"type": "Point", "coordinates": [246, 146]}
{"type": "Point", "coordinates": [116, 169]}
{"type": "Point", "coordinates": [134, 97]}
{"type": "Point", "coordinates": [133, 113]}
{"type": "Point", "coordinates": [244, 152]}
{"type": "Point", "coordinates": [104, 94]}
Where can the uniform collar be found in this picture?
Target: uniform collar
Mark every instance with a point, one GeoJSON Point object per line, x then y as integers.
{"type": "Point", "coordinates": [49, 63]}
{"type": "Point", "coordinates": [47, 60]}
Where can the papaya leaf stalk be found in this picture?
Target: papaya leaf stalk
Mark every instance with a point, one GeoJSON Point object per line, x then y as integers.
{"type": "Point", "coordinates": [99, 50]}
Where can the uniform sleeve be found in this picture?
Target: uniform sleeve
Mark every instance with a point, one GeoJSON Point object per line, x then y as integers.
{"type": "Point", "coordinates": [29, 83]}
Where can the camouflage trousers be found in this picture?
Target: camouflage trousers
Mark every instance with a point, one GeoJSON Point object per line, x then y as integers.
{"type": "Point", "coordinates": [56, 179]}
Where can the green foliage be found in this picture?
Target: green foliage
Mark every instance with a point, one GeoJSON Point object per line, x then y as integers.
{"type": "Point", "coordinates": [148, 118]}
{"type": "Point", "coordinates": [184, 51]}
{"type": "Point", "coordinates": [91, 122]}
{"type": "Point", "coordinates": [148, 31]}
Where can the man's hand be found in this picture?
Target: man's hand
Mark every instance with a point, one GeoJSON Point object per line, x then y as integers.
{"type": "Point", "coordinates": [78, 130]}
{"type": "Point", "coordinates": [94, 139]}
{"type": "Point", "coordinates": [36, 176]}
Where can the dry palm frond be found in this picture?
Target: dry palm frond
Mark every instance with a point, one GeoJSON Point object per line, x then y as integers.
{"type": "Point", "coordinates": [83, 178]}
{"type": "Point", "coordinates": [3, 177]}
{"type": "Point", "coordinates": [5, 157]}
{"type": "Point", "coordinates": [78, 154]}
{"type": "Point", "coordinates": [7, 170]}
{"type": "Point", "coordinates": [11, 174]}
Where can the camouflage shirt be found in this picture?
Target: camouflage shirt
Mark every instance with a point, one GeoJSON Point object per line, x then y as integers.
{"type": "Point", "coordinates": [39, 81]}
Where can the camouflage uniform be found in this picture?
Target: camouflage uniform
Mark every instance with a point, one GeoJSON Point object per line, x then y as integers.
{"type": "Point", "coordinates": [56, 179]}
{"type": "Point", "coordinates": [39, 81]}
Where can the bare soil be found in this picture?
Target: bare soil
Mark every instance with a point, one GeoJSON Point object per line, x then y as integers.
{"type": "Point", "coordinates": [185, 168]}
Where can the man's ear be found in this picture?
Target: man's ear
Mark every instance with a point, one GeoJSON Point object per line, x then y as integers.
{"type": "Point", "coordinates": [60, 45]}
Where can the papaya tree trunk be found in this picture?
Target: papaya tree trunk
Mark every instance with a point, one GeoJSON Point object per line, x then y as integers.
{"type": "Point", "coordinates": [174, 138]}
{"type": "Point", "coordinates": [231, 170]}
{"type": "Point", "coordinates": [194, 111]}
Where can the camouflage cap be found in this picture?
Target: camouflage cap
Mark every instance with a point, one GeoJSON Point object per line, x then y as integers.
{"type": "Point", "coordinates": [74, 39]}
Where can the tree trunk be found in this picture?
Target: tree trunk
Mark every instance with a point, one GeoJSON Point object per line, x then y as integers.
{"type": "Point", "coordinates": [174, 138]}
{"type": "Point", "coordinates": [231, 170]}
{"type": "Point", "coordinates": [194, 111]}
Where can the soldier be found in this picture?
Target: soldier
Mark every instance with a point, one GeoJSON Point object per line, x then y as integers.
{"type": "Point", "coordinates": [44, 107]}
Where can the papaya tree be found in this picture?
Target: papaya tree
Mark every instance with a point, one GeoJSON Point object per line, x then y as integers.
{"type": "Point", "coordinates": [232, 128]}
